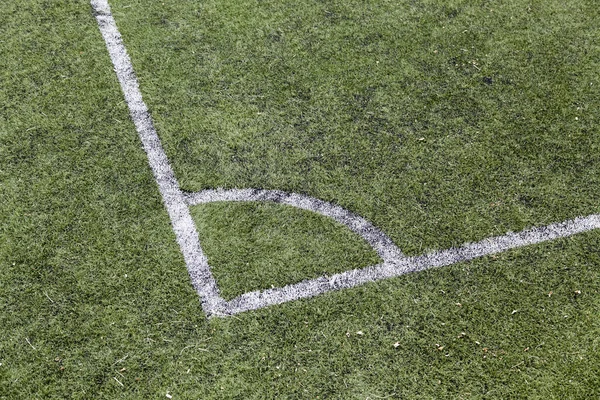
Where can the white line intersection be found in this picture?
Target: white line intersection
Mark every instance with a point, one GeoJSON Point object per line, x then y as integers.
{"type": "Point", "coordinates": [177, 204]}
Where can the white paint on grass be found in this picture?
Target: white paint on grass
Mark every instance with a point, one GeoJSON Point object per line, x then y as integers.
{"type": "Point", "coordinates": [183, 225]}
{"type": "Point", "coordinates": [177, 204]}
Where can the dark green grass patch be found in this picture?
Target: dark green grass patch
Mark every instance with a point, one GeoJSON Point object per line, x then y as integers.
{"type": "Point", "coordinates": [253, 246]}
{"type": "Point", "coordinates": [440, 122]}
{"type": "Point", "coordinates": [95, 301]}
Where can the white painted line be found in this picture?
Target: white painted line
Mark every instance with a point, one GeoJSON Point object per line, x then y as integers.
{"type": "Point", "coordinates": [394, 262]}
{"type": "Point", "coordinates": [381, 243]}
{"type": "Point", "coordinates": [314, 287]}
{"type": "Point", "coordinates": [183, 225]}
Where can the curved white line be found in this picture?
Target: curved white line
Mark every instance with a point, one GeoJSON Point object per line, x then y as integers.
{"type": "Point", "coordinates": [381, 243]}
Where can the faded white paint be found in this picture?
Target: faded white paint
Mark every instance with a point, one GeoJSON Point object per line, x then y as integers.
{"type": "Point", "coordinates": [183, 225]}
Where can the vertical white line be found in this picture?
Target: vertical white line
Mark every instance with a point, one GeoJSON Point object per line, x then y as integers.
{"type": "Point", "coordinates": [183, 225]}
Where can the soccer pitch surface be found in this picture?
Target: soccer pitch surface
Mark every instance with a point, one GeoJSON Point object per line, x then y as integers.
{"type": "Point", "coordinates": [307, 165]}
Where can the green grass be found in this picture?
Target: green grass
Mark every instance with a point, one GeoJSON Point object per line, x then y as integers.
{"type": "Point", "coordinates": [440, 122]}
{"type": "Point", "coordinates": [93, 288]}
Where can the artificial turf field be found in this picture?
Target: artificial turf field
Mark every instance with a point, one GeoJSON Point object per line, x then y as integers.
{"type": "Point", "coordinates": [439, 122]}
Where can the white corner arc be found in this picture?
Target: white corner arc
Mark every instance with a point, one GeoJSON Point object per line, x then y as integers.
{"type": "Point", "coordinates": [379, 241]}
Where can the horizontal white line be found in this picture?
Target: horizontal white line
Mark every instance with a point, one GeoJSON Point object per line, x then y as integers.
{"type": "Point", "coordinates": [349, 279]}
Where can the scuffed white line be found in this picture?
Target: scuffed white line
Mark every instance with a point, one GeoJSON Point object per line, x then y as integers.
{"type": "Point", "coordinates": [381, 243]}
{"type": "Point", "coordinates": [310, 288]}
{"type": "Point", "coordinates": [183, 225]}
